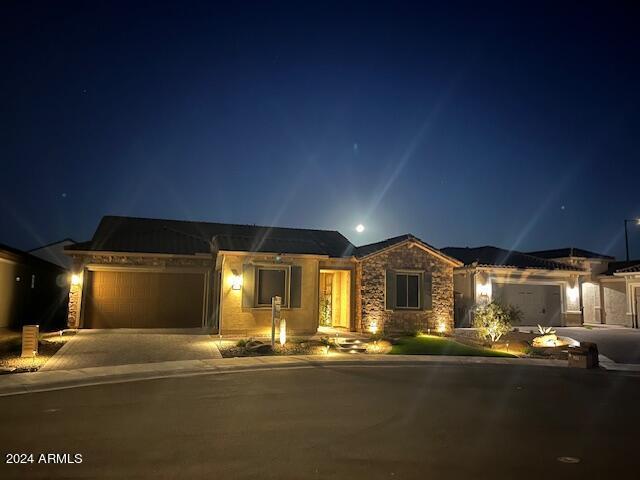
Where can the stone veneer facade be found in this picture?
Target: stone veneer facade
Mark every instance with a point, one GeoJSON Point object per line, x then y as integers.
{"type": "Point", "coordinates": [370, 291]}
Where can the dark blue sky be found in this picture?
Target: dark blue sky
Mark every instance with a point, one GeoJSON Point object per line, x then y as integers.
{"type": "Point", "coordinates": [503, 125]}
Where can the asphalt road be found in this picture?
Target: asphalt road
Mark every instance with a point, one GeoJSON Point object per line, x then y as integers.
{"type": "Point", "coordinates": [621, 345]}
{"type": "Point", "coordinates": [434, 421]}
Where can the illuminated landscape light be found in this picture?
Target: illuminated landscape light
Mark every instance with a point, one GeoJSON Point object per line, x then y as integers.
{"type": "Point", "coordinates": [283, 332]}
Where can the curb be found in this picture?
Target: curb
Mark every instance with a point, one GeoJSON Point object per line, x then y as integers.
{"type": "Point", "coordinates": [43, 381]}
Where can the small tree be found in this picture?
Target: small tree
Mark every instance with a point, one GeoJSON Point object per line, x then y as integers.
{"type": "Point", "coordinates": [494, 319]}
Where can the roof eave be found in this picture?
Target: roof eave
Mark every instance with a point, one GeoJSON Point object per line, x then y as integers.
{"type": "Point", "coordinates": [485, 267]}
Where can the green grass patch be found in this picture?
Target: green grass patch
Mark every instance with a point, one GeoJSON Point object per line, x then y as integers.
{"type": "Point", "coordinates": [432, 345]}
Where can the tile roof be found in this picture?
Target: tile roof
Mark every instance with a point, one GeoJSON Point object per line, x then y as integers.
{"type": "Point", "coordinates": [568, 252]}
{"type": "Point", "coordinates": [148, 235]}
{"type": "Point", "coordinates": [631, 269]}
{"type": "Point", "coordinates": [630, 266]}
{"type": "Point", "coordinates": [366, 250]}
{"type": "Point", "coordinates": [499, 257]}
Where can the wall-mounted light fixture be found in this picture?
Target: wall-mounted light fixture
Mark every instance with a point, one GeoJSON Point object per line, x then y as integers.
{"type": "Point", "coordinates": [76, 279]}
{"type": "Point", "coordinates": [483, 291]}
{"type": "Point", "coordinates": [572, 294]}
{"type": "Point", "coordinates": [235, 280]}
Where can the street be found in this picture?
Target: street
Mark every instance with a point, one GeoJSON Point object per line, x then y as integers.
{"type": "Point", "coordinates": [434, 421]}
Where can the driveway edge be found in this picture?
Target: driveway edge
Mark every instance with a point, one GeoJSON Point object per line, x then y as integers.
{"type": "Point", "coordinates": [21, 383]}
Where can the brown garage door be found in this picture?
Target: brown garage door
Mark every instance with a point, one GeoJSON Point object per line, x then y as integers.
{"type": "Point", "coordinates": [144, 300]}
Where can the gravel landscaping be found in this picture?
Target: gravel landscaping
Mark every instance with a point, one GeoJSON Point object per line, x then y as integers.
{"type": "Point", "coordinates": [10, 350]}
{"type": "Point", "coordinates": [516, 342]}
{"type": "Point", "coordinates": [230, 349]}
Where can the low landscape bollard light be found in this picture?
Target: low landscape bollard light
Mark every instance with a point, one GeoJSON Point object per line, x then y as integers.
{"type": "Point", "coordinates": [283, 332]}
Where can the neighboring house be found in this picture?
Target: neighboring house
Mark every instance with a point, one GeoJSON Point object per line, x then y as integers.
{"type": "Point", "coordinates": [54, 253]}
{"type": "Point", "coordinates": [32, 291]}
{"type": "Point", "coordinates": [611, 292]}
{"type": "Point", "coordinates": [547, 292]}
{"type": "Point", "coordinates": [138, 272]}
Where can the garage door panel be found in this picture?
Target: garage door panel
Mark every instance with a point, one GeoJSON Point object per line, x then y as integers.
{"type": "Point", "coordinates": [539, 304]}
{"type": "Point", "coordinates": [144, 300]}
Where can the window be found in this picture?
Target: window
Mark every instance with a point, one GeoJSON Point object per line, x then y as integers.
{"type": "Point", "coordinates": [407, 290]}
{"type": "Point", "coordinates": [271, 282]}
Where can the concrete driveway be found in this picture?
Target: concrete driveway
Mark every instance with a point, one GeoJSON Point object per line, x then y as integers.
{"type": "Point", "coordinates": [100, 348]}
{"type": "Point", "coordinates": [621, 345]}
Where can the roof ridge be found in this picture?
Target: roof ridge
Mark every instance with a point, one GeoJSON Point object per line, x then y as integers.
{"type": "Point", "coordinates": [407, 235]}
{"type": "Point", "coordinates": [254, 225]}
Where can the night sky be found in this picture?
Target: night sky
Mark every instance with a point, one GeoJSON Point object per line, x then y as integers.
{"type": "Point", "coordinates": [503, 125]}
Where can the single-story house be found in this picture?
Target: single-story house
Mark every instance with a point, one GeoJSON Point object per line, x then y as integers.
{"type": "Point", "coordinates": [547, 292]}
{"type": "Point", "coordinates": [146, 273]}
{"type": "Point", "coordinates": [611, 292]}
{"type": "Point", "coordinates": [32, 291]}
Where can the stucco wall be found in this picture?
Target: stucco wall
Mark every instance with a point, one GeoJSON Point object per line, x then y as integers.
{"type": "Point", "coordinates": [8, 291]}
{"type": "Point", "coordinates": [370, 291]}
{"type": "Point", "coordinates": [238, 320]}
{"type": "Point", "coordinates": [615, 303]}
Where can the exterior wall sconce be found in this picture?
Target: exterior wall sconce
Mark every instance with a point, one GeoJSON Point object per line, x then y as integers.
{"type": "Point", "coordinates": [76, 279]}
{"type": "Point", "coordinates": [483, 291]}
{"type": "Point", "coordinates": [572, 294]}
{"type": "Point", "coordinates": [236, 280]}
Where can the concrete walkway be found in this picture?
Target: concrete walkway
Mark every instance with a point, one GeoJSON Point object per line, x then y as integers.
{"type": "Point", "coordinates": [106, 348]}
{"type": "Point", "coordinates": [63, 379]}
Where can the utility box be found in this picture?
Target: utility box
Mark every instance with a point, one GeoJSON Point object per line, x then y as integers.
{"type": "Point", "coordinates": [30, 334]}
{"type": "Point", "coordinates": [584, 356]}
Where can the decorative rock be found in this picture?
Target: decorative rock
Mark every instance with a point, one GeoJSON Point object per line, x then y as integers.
{"type": "Point", "coordinates": [258, 347]}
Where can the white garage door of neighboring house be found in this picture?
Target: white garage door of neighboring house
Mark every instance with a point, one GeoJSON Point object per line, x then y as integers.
{"type": "Point", "coordinates": [540, 304]}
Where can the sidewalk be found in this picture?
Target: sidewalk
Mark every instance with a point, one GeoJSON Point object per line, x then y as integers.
{"type": "Point", "coordinates": [61, 379]}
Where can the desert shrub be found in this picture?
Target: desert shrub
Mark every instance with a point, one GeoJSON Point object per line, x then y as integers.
{"type": "Point", "coordinates": [493, 320]}
{"type": "Point", "coordinates": [243, 342]}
